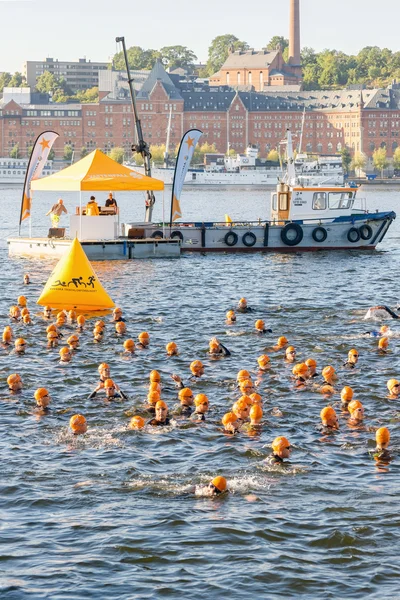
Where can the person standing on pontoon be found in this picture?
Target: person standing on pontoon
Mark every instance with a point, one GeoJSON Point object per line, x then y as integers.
{"type": "Point", "coordinates": [56, 211]}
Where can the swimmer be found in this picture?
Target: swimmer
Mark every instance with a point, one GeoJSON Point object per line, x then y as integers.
{"type": "Point", "coordinates": [263, 362]}
{"type": "Point", "coordinates": [242, 375]}
{"type": "Point", "coordinates": [230, 423]}
{"type": "Point", "coordinates": [216, 487]}
{"type": "Point", "coordinates": [25, 311]}
{"type": "Point", "coordinates": [65, 355]}
{"type": "Point", "coordinates": [352, 359]}
{"type": "Point", "coordinates": [21, 301]}
{"type": "Point", "coordinates": [290, 354]}
{"type": "Point", "coordinates": [384, 331]}
{"type": "Point", "coordinates": [394, 389]}
{"type": "Point", "coordinates": [241, 409]}
{"type": "Point", "coordinates": [129, 347]}
{"type": "Point", "coordinates": [185, 409]}
{"type": "Point", "coordinates": [202, 405]}
{"type": "Point", "coordinates": [329, 375]}
{"type": "Point", "coordinates": [111, 389]}
{"type": "Point", "coordinates": [15, 313]}
{"type": "Point", "coordinates": [230, 317]}
{"type": "Point", "coordinates": [120, 328]}
{"type": "Point", "coordinates": [100, 324]}
{"type": "Point", "coordinates": [53, 327]}
{"type": "Point", "coordinates": [300, 372]}
{"type": "Point", "coordinates": [152, 398]}
{"type": "Point", "coordinates": [154, 387]}
{"type": "Point", "coordinates": [383, 345]}
{"type": "Point", "coordinates": [26, 319]}
{"type": "Point", "coordinates": [280, 450]}
{"type": "Point", "coordinates": [144, 340]}
{"type": "Point", "coordinates": [117, 315]}
{"type": "Point", "coordinates": [246, 387]}
{"type": "Point", "coordinates": [243, 307]}
{"type": "Point", "coordinates": [7, 335]}
{"type": "Point", "coordinates": [155, 376]}
{"type": "Point", "coordinates": [312, 368]}
{"type": "Point", "coordinates": [72, 316]}
{"type": "Point", "coordinates": [60, 323]}
{"type": "Point", "coordinates": [52, 339]}
{"type": "Point", "coordinates": [382, 437]}
{"type": "Point", "coordinates": [380, 312]}
{"type": "Point", "coordinates": [137, 423]}
{"type": "Point", "coordinates": [217, 349]}
{"type": "Point", "coordinates": [73, 342]}
{"type": "Point", "coordinates": [42, 398]}
{"type": "Point", "coordinates": [20, 346]}
{"type": "Point", "coordinates": [14, 382]}
{"type": "Point", "coordinates": [104, 373]}
{"type": "Point", "coordinates": [61, 318]}
{"type": "Point", "coordinates": [256, 399]}
{"type": "Point", "coordinates": [27, 279]}
{"type": "Point", "coordinates": [329, 419]}
{"type": "Point", "coordinates": [346, 396]}
{"type": "Point", "coordinates": [172, 349]}
{"type": "Point", "coordinates": [80, 321]}
{"type": "Point", "coordinates": [98, 333]}
{"type": "Point", "coordinates": [78, 424]}
{"type": "Point", "coordinates": [260, 327]}
{"type": "Point", "coordinates": [356, 411]}
{"type": "Point", "coordinates": [281, 343]}
{"type": "Point", "coordinates": [161, 419]}
{"type": "Point", "coordinates": [47, 312]}
{"type": "Point", "coordinates": [256, 414]}
{"type": "Point", "coordinates": [197, 369]}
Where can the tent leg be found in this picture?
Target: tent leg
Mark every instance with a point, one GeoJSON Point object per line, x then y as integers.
{"type": "Point", "coordinates": [30, 227]}
{"type": "Point", "coordinates": [163, 219]}
{"type": "Point", "coordinates": [80, 216]}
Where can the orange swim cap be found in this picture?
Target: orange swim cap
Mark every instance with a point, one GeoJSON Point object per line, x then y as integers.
{"type": "Point", "coordinates": [20, 342]}
{"type": "Point", "coordinates": [391, 384]}
{"type": "Point", "coordinates": [229, 417]}
{"type": "Point", "coordinates": [259, 325]}
{"type": "Point", "coordinates": [230, 315]}
{"type": "Point", "coordinates": [384, 329]}
{"type": "Point", "coordinates": [161, 404]}
{"type": "Point", "coordinates": [383, 343]}
{"type": "Point", "coordinates": [72, 315]}
{"type": "Point", "coordinates": [243, 302]}
{"type": "Point", "coordinates": [21, 301]}
{"type": "Point", "coordinates": [255, 398]}
{"type": "Point", "coordinates": [263, 360]}
{"type": "Point", "coordinates": [117, 310]}
{"type": "Point", "coordinates": [103, 367]}
{"type": "Point", "coordinates": [51, 327]}
{"type": "Point", "coordinates": [171, 348]}
{"type": "Point", "coordinates": [243, 374]}
{"type": "Point", "coordinates": [52, 335]}
{"type": "Point", "coordinates": [196, 365]}
{"type": "Point", "coordinates": [354, 405]}
{"type": "Point", "coordinates": [300, 369]}
{"type": "Point", "coordinates": [24, 311]}
{"type": "Point", "coordinates": [73, 339]}
{"type": "Point", "coordinates": [109, 383]}
{"type": "Point", "coordinates": [347, 394]}
{"type": "Point", "coordinates": [64, 351]}
{"type": "Point", "coordinates": [185, 393]}
{"type": "Point", "coordinates": [81, 320]}
{"type": "Point", "coordinates": [129, 345]}
{"type": "Point", "coordinates": [290, 350]}
{"type": "Point", "coordinates": [155, 376]}
{"type": "Point", "coordinates": [256, 412]}
{"type": "Point", "coordinates": [327, 413]}
{"type": "Point", "coordinates": [120, 327]}
{"type": "Point", "coordinates": [27, 319]}
{"type": "Point", "coordinates": [200, 399]}
{"type": "Point", "coordinates": [220, 483]}
{"type": "Point", "coordinates": [382, 435]}
{"type": "Point", "coordinates": [245, 384]}
{"type": "Point", "coordinates": [310, 362]}
{"type": "Point", "coordinates": [282, 341]}
{"type": "Point", "coordinates": [100, 324]}
{"type": "Point", "coordinates": [14, 378]}
{"type": "Point", "coordinates": [280, 443]}
{"type": "Point", "coordinates": [137, 423]}
{"type": "Point", "coordinates": [41, 393]}
{"type": "Point", "coordinates": [61, 315]}
{"type": "Point", "coordinates": [245, 400]}
{"type": "Point", "coordinates": [144, 336]}
{"type": "Point", "coordinates": [153, 397]}
{"type": "Point", "coordinates": [154, 387]}
{"type": "Point", "coordinates": [78, 424]}
{"type": "Point", "coordinates": [328, 372]}
{"type": "Point", "coordinates": [353, 352]}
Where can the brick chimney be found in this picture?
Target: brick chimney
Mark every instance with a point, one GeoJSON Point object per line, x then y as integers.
{"type": "Point", "coordinates": [294, 33]}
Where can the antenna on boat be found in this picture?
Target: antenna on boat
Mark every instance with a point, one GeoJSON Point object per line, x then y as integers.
{"type": "Point", "coordinates": [141, 147]}
{"type": "Point", "coordinates": [166, 153]}
{"type": "Point", "coordinates": [302, 130]}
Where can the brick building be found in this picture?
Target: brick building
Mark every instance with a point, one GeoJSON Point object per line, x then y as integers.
{"type": "Point", "coordinates": [363, 120]}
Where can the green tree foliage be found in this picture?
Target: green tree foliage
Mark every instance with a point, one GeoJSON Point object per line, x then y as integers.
{"type": "Point", "coordinates": [278, 40]}
{"type": "Point", "coordinates": [346, 159]}
{"type": "Point", "coordinates": [380, 159]}
{"type": "Point", "coordinates": [219, 50]}
{"type": "Point", "coordinates": [200, 151]}
{"type": "Point", "coordinates": [273, 156]}
{"type": "Point", "coordinates": [5, 79]}
{"type": "Point", "coordinates": [17, 80]}
{"type": "Point", "coordinates": [117, 154]}
{"type": "Point", "coordinates": [46, 83]}
{"type": "Point", "coordinates": [396, 159]}
{"type": "Point", "coordinates": [88, 96]}
{"type": "Point", "coordinates": [359, 162]}
{"type": "Point", "coordinates": [157, 153]}
{"type": "Point", "coordinates": [174, 57]}
{"type": "Point", "coordinates": [138, 59]}
{"type": "Point", "coordinates": [84, 152]}
{"type": "Point", "coordinates": [68, 153]}
{"type": "Point", "coordinates": [51, 155]}
{"type": "Point", "coordinates": [14, 152]}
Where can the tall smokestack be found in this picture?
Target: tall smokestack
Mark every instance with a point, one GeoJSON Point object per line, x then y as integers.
{"type": "Point", "coordinates": [294, 33]}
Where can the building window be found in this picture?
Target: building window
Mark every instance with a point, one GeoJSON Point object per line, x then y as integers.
{"type": "Point", "coordinates": [238, 77]}
{"type": "Point", "coordinates": [228, 78]}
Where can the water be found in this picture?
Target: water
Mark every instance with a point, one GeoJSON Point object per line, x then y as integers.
{"type": "Point", "coordinates": [113, 514]}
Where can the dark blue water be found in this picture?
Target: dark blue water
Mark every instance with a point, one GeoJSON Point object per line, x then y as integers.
{"type": "Point", "coordinates": [114, 514]}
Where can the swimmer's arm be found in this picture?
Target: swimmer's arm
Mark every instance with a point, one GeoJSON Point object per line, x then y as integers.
{"type": "Point", "coordinates": [225, 350]}
{"type": "Point", "coordinates": [178, 381]}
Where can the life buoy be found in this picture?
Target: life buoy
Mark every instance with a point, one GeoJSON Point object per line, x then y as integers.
{"type": "Point", "coordinates": [231, 238]}
{"type": "Point", "coordinates": [177, 234]}
{"type": "Point", "coordinates": [366, 232]}
{"type": "Point", "coordinates": [249, 239]}
{"type": "Point", "coordinates": [157, 234]}
{"type": "Point", "coordinates": [292, 234]}
{"type": "Point", "coordinates": [353, 235]}
{"type": "Point", "coordinates": [319, 234]}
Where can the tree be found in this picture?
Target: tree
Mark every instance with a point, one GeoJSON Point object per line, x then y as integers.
{"type": "Point", "coordinates": [396, 159]}
{"type": "Point", "coordinates": [380, 159]}
{"type": "Point", "coordinates": [273, 156]}
{"type": "Point", "coordinates": [157, 153]}
{"type": "Point", "coordinates": [14, 152]}
{"type": "Point", "coordinates": [52, 155]}
{"type": "Point", "coordinates": [346, 159]}
{"type": "Point", "coordinates": [359, 162]}
{"type": "Point", "coordinates": [219, 50]}
{"type": "Point", "coordinates": [88, 96]}
{"type": "Point", "coordinates": [138, 158]}
{"type": "Point", "coordinates": [117, 154]}
{"type": "Point", "coordinates": [17, 80]}
{"type": "Point", "coordinates": [175, 57]}
{"type": "Point", "coordinates": [46, 83]}
{"type": "Point", "coordinates": [138, 59]}
{"type": "Point", "coordinates": [68, 152]}
{"type": "Point", "coordinates": [278, 40]}
{"type": "Point", "coordinates": [84, 152]}
{"type": "Point", "coordinates": [5, 79]}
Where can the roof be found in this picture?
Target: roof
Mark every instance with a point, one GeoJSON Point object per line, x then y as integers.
{"type": "Point", "coordinates": [159, 74]}
{"type": "Point", "coordinates": [250, 59]}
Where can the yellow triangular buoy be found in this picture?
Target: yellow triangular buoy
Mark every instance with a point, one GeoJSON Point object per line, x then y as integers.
{"type": "Point", "coordinates": [73, 284]}
{"type": "Point", "coordinates": [228, 219]}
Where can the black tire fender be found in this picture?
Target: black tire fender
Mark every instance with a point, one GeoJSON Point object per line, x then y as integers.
{"type": "Point", "coordinates": [292, 241]}
{"type": "Point", "coordinates": [366, 232]}
{"type": "Point", "coordinates": [177, 234]}
{"type": "Point", "coordinates": [231, 238]}
{"type": "Point", "coordinates": [353, 235]}
{"type": "Point", "coordinates": [319, 234]}
{"type": "Point", "coordinates": [157, 234]}
{"type": "Point", "coordinates": [249, 239]}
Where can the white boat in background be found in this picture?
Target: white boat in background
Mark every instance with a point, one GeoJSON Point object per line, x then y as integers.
{"type": "Point", "coordinates": [13, 170]}
{"type": "Point", "coordinates": [247, 170]}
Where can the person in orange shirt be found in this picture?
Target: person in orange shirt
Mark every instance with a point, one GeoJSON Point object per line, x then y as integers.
{"type": "Point", "coordinates": [92, 209]}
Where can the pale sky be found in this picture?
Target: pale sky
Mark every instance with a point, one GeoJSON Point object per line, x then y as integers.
{"type": "Point", "coordinates": [72, 29]}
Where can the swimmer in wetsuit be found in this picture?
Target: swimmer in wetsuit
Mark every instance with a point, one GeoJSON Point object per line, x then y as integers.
{"type": "Point", "coordinates": [117, 315]}
{"type": "Point", "coordinates": [383, 345]}
{"type": "Point", "coordinates": [216, 487]}
{"type": "Point", "coordinates": [104, 372]}
{"type": "Point", "coordinates": [330, 377]}
{"type": "Point", "coordinates": [241, 409]}
{"type": "Point", "coordinates": [329, 420]}
{"type": "Point", "coordinates": [290, 354]}
{"type": "Point", "coordinates": [19, 346]}
{"type": "Point", "coordinates": [98, 333]}
{"type": "Point", "coordinates": [7, 335]}
{"type": "Point", "coordinates": [15, 313]}
{"type": "Point", "coordinates": [65, 356]}
{"type": "Point", "coordinates": [202, 406]}
{"type": "Point", "coordinates": [381, 311]}
{"type": "Point", "coordinates": [137, 422]}
{"type": "Point", "coordinates": [242, 306]}
{"type": "Point", "coordinates": [172, 349]}
{"type": "Point", "coordinates": [184, 409]}
{"type": "Point", "coordinates": [26, 279]}
{"type": "Point", "coordinates": [280, 450]}
{"type": "Point", "coordinates": [144, 340]}
{"type": "Point", "coordinates": [300, 372]}
{"type": "Point", "coordinates": [129, 347]}
{"type": "Point", "coordinates": [382, 437]}
{"type": "Point", "coordinates": [383, 331]}
{"type": "Point", "coordinates": [394, 389]}
{"type": "Point", "coordinates": [263, 362]}
{"type": "Point", "coordinates": [260, 327]}
{"type": "Point", "coordinates": [42, 398]}
{"type": "Point", "coordinates": [312, 368]}
{"type": "Point", "coordinates": [230, 423]}
{"type": "Point", "coordinates": [246, 387]}
{"type": "Point", "coordinates": [217, 349]}
{"type": "Point", "coordinates": [78, 424]}
{"type": "Point", "coordinates": [356, 411]}
{"type": "Point", "coordinates": [346, 396]}
{"type": "Point", "coordinates": [352, 359]}
{"type": "Point", "coordinates": [14, 382]}
{"type": "Point", "coordinates": [112, 391]}
{"type": "Point", "coordinates": [256, 414]}
{"type": "Point", "coordinates": [230, 317]}
{"type": "Point", "coordinates": [152, 398]}
{"type": "Point", "coordinates": [281, 343]}
{"type": "Point", "coordinates": [161, 419]}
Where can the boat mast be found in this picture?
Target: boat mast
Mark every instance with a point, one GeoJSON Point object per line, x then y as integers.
{"type": "Point", "coordinates": [141, 147]}
{"type": "Point", "coordinates": [291, 171]}
{"type": "Point", "coordinates": [302, 130]}
{"type": "Point", "coordinates": [166, 153]}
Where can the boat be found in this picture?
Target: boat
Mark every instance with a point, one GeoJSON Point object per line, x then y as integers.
{"type": "Point", "coordinates": [13, 170]}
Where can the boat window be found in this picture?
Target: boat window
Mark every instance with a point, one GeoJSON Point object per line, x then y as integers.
{"type": "Point", "coordinates": [193, 176]}
{"type": "Point", "coordinates": [319, 201]}
{"type": "Point", "coordinates": [340, 200]}
{"type": "Point", "coordinates": [283, 201]}
{"type": "Point", "coordinates": [274, 202]}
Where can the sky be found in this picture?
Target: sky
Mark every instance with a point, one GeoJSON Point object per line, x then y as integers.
{"type": "Point", "coordinates": [72, 29]}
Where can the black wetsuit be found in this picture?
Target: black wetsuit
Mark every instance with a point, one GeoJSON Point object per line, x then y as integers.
{"type": "Point", "coordinates": [274, 459]}
{"type": "Point", "coordinates": [184, 411]}
{"type": "Point", "coordinates": [349, 365]}
{"type": "Point", "coordinates": [156, 423]}
{"type": "Point", "coordinates": [223, 351]}
{"type": "Point", "coordinates": [198, 416]}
